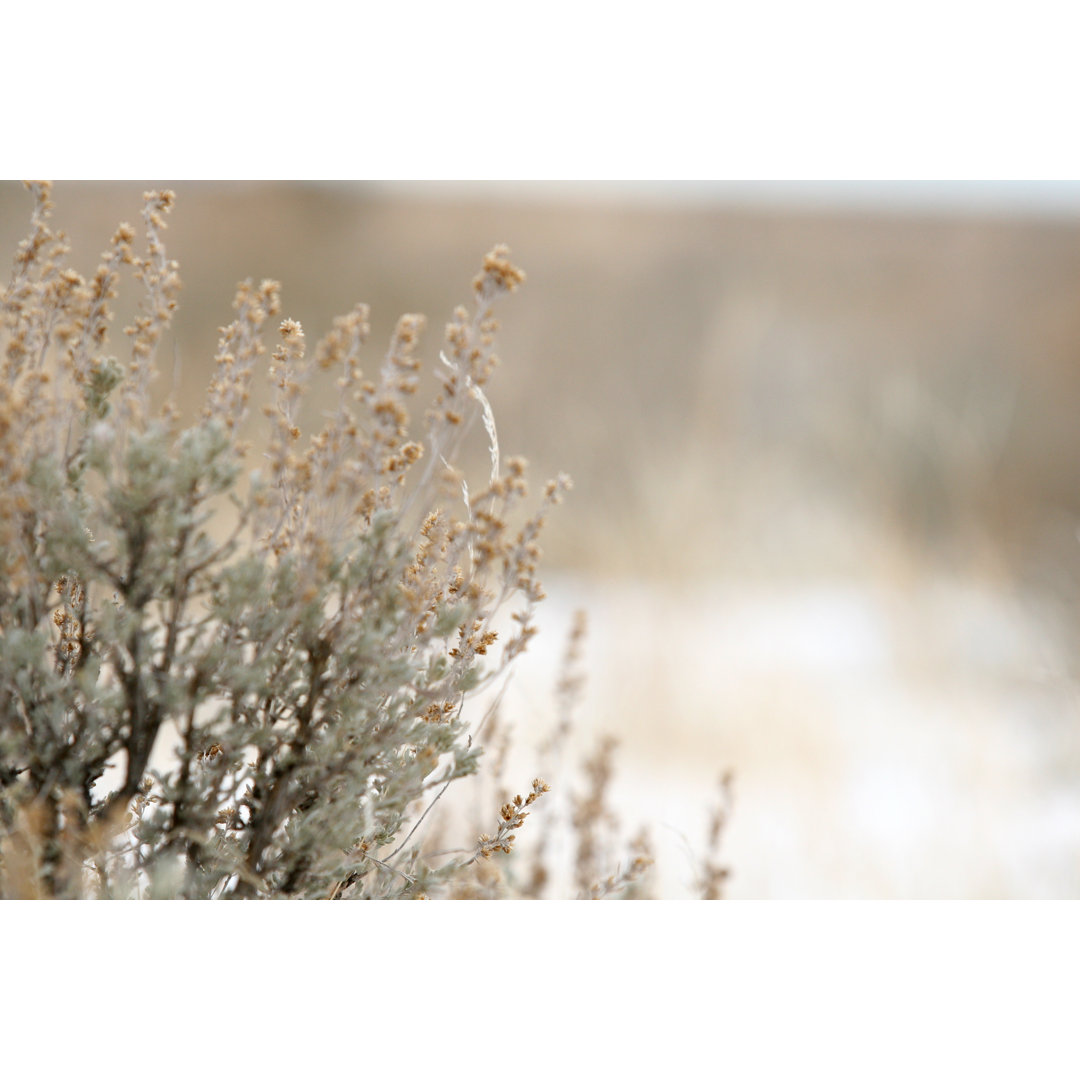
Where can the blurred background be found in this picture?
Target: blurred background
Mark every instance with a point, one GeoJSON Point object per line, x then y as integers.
{"type": "Point", "coordinates": [824, 525]}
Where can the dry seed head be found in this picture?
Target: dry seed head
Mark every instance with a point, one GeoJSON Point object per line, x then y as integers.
{"type": "Point", "coordinates": [498, 274]}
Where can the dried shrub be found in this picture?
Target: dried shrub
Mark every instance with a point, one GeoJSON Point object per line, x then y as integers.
{"type": "Point", "coordinates": [236, 674]}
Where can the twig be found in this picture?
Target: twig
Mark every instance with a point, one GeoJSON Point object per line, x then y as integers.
{"type": "Point", "coordinates": [420, 820]}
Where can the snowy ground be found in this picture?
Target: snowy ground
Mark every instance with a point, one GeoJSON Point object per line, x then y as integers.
{"type": "Point", "coordinates": [908, 742]}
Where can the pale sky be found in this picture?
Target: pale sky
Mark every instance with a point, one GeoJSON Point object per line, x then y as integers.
{"type": "Point", "coordinates": [1024, 198]}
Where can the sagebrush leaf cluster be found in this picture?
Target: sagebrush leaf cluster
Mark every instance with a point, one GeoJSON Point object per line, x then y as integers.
{"type": "Point", "coordinates": [231, 669]}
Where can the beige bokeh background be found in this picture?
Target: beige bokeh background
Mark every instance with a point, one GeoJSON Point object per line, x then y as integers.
{"type": "Point", "coordinates": [826, 495]}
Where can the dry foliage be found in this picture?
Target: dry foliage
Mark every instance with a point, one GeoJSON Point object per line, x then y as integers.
{"type": "Point", "coordinates": [229, 674]}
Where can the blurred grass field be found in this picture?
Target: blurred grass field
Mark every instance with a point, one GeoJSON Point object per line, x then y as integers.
{"type": "Point", "coordinates": [747, 390]}
{"type": "Point", "coordinates": [826, 493]}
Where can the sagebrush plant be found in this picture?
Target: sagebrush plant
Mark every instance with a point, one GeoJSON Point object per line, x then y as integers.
{"type": "Point", "coordinates": [229, 673]}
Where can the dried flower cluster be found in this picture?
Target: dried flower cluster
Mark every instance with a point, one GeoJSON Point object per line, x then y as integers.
{"type": "Point", "coordinates": [230, 674]}
{"type": "Point", "coordinates": [512, 816]}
